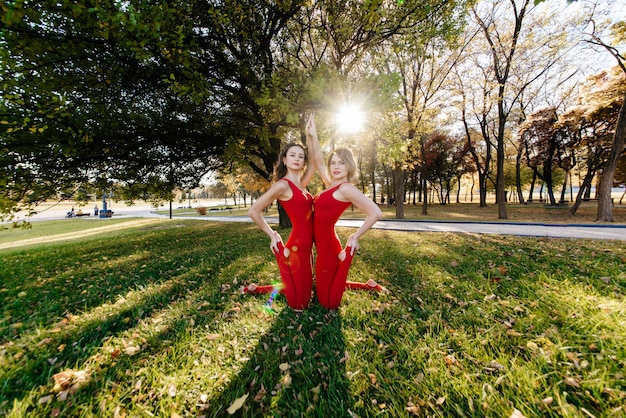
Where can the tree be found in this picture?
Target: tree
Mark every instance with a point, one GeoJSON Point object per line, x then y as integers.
{"type": "Point", "coordinates": [541, 147]}
{"type": "Point", "coordinates": [589, 127]}
{"type": "Point", "coordinates": [89, 95]}
{"type": "Point", "coordinates": [423, 60]}
{"type": "Point", "coordinates": [519, 57]}
{"type": "Point", "coordinates": [444, 162]}
{"type": "Point", "coordinates": [605, 206]}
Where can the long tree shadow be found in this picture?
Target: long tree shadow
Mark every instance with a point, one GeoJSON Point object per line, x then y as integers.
{"type": "Point", "coordinates": [298, 365]}
{"type": "Point", "coordinates": [40, 352]}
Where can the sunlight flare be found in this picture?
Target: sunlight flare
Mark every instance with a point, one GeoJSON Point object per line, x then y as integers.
{"type": "Point", "coordinates": [350, 119]}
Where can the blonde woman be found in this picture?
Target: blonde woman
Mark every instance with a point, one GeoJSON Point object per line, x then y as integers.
{"type": "Point", "coordinates": [333, 262]}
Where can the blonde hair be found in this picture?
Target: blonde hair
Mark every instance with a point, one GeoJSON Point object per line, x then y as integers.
{"type": "Point", "coordinates": [280, 169]}
{"type": "Point", "coordinates": [346, 155]}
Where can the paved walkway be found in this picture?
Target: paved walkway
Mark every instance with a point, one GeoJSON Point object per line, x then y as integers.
{"type": "Point", "coordinates": [603, 231]}
{"type": "Point", "coordinates": [588, 231]}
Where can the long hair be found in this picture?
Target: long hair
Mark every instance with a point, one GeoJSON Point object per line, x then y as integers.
{"type": "Point", "coordinates": [346, 155]}
{"type": "Point", "coordinates": [280, 169]}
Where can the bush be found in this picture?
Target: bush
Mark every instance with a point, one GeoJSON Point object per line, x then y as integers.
{"type": "Point", "coordinates": [201, 210]}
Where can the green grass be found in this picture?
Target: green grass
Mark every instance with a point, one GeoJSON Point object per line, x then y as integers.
{"type": "Point", "coordinates": [147, 321]}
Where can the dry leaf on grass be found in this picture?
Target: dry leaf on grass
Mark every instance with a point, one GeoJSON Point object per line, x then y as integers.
{"type": "Point", "coordinates": [260, 394]}
{"type": "Point", "coordinates": [517, 414]}
{"type": "Point", "coordinates": [63, 380]}
{"type": "Point", "coordinates": [570, 381]}
{"type": "Point", "coordinates": [132, 350]}
{"type": "Point", "coordinates": [235, 406]}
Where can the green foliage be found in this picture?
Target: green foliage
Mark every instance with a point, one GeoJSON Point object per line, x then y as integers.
{"type": "Point", "coordinates": [147, 320]}
{"type": "Point", "coordinates": [99, 91]}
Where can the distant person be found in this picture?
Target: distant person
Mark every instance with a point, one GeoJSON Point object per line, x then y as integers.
{"type": "Point", "coordinates": [291, 176]}
{"type": "Point", "coordinates": [333, 262]}
{"type": "Point", "coordinates": [95, 210]}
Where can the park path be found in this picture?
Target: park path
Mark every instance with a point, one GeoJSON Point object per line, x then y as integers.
{"type": "Point", "coordinates": [574, 231]}
{"type": "Point", "coordinates": [80, 234]}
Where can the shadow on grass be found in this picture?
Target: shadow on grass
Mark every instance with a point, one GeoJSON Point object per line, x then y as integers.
{"type": "Point", "coordinates": [296, 369]}
{"type": "Point", "coordinates": [49, 340]}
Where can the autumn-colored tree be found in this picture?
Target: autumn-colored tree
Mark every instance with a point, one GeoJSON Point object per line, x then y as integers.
{"type": "Point", "coordinates": [541, 146]}
{"type": "Point", "coordinates": [589, 127]}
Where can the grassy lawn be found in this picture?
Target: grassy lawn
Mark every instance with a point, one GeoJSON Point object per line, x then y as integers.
{"type": "Point", "coordinates": [148, 321]}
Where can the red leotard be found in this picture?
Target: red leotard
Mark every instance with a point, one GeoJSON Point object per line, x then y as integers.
{"type": "Point", "coordinates": [330, 273]}
{"type": "Point", "coordinates": [296, 270]}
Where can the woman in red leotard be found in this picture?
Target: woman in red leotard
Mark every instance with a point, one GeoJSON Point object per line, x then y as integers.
{"type": "Point", "coordinates": [294, 258]}
{"type": "Point", "coordinates": [333, 263]}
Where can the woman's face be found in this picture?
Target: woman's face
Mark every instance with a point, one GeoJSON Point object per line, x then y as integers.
{"type": "Point", "coordinates": [295, 158]}
{"type": "Point", "coordinates": [337, 168]}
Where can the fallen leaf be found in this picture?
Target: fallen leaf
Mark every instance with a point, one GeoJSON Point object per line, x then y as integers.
{"type": "Point", "coordinates": [235, 406]}
{"type": "Point", "coordinates": [441, 400]}
{"type": "Point", "coordinates": [454, 263]}
{"type": "Point", "coordinates": [412, 408]}
{"type": "Point", "coordinates": [372, 378]}
{"type": "Point", "coordinates": [532, 345]}
{"type": "Point", "coordinates": [62, 380]}
{"type": "Point", "coordinates": [171, 390]}
{"type": "Point", "coordinates": [62, 396]}
{"type": "Point", "coordinates": [284, 367]}
{"type": "Point", "coordinates": [517, 414]}
{"type": "Point", "coordinates": [494, 364]}
{"type": "Point", "coordinates": [548, 400]}
{"type": "Point", "coordinates": [44, 400]}
{"type": "Point", "coordinates": [449, 359]}
{"type": "Point", "coordinates": [570, 381]}
{"type": "Point", "coordinates": [132, 350]}
{"type": "Point", "coordinates": [260, 394]}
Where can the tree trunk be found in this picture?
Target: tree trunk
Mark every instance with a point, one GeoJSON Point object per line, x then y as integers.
{"type": "Point", "coordinates": [532, 187]}
{"type": "Point", "coordinates": [283, 218]}
{"type": "Point", "coordinates": [482, 189]}
{"type": "Point", "coordinates": [398, 177]}
{"type": "Point", "coordinates": [518, 176]}
{"type": "Point", "coordinates": [425, 197]}
{"type": "Point", "coordinates": [583, 191]}
{"type": "Point", "coordinates": [564, 189]}
{"type": "Point", "coordinates": [605, 208]}
{"type": "Point", "coordinates": [373, 180]}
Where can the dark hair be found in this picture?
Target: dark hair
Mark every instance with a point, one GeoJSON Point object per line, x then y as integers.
{"type": "Point", "coordinates": [280, 169]}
